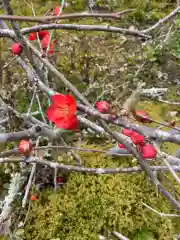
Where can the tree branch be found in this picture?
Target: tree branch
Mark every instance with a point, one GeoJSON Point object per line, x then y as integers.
{"type": "Point", "coordinates": [162, 21]}
{"type": "Point", "coordinates": [47, 19]}
{"type": "Point", "coordinates": [100, 28]}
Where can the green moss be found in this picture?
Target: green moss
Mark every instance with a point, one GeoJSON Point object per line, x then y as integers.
{"type": "Point", "coordinates": [89, 205]}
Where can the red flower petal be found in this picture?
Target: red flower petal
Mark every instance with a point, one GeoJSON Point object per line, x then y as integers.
{"type": "Point", "coordinates": [127, 132]}
{"type": "Point", "coordinates": [65, 102]}
{"type": "Point", "coordinates": [58, 99]}
{"type": "Point", "coordinates": [43, 34]}
{"type": "Point", "coordinates": [56, 11]}
{"type": "Point", "coordinates": [67, 123]}
{"type": "Point", "coordinates": [51, 113]}
{"type": "Point", "coordinates": [55, 113]}
{"type": "Point", "coordinates": [148, 151]}
{"type": "Point", "coordinates": [71, 102]}
{"type": "Point", "coordinates": [137, 138]}
{"type": "Point", "coordinates": [121, 146]}
{"type": "Point", "coordinates": [32, 36]}
{"type": "Point", "coordinates": [45, 41]}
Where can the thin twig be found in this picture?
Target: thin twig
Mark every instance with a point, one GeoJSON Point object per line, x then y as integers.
{"type": "Point", "coordinates": [55, 179]}
{"type": "Point", "coordinates": [28, 186]}
{"type": "Point", "coordinates": [162, 21]}
{"type": "Point", "coordinates": [160, 213]}
{"type": "Point", "coordinates": [119, 235]}
{"type": "Point", "coordinates": [163, 157]}
{"type": "Point", "coordinates": [168, 102]}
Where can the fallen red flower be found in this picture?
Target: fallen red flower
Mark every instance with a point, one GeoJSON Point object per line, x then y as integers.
{"type": "Point", "coordinates": [102, 106]}
{"type": "Point", "coordinates": [62, 111]}
{"type": "Point", "coordinates": [148, 151]}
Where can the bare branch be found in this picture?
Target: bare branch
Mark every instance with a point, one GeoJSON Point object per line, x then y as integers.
{"type": "Point", "coordinates": [47, 19]}
{"type": "Point", "coordinates": [35, 131]}
{"type": "Point", "coordinates": [71, 168]}
{"type": "Point", "coordinates": [12, 193]}
{"type": "Point", "coordinates": [162, 21]}
{"type": "Point", "coordinates": [163, 157]}
{"type": "Point", "coordinates": [100, 28]}
{"type": "Point", "coordinates": [168, 102]}
{"type": "Point", "coordinates": [77, 27]}
{"type": "Point", "coordinates": [148, 132]}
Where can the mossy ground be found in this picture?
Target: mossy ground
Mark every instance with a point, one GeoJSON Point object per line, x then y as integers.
{"type": "Point", "coordinates": [89, 205]}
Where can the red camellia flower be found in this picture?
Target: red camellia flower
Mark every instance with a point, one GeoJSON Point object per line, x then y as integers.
{"type": "Point", "coordinates": [103, 106]}
{"type": "Point", "coordinates": [148, 151]}
{"type": "Point", "coordinates": [137, 138]}
{"type": "Point", "coordinates": [127, 132]}
{"type": "Point", "coordinates": [144, 115]}
{"type": "Point", "coordinates": [25, 147]}
{"type": "Point", "coordinates": [56, 11]}
{"type": "Point", "coordinates": [121, 146]}
{"type": "Point", "coordinates": [16, 48]}
{"type": "Point", "coordinates": [62, 111]}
